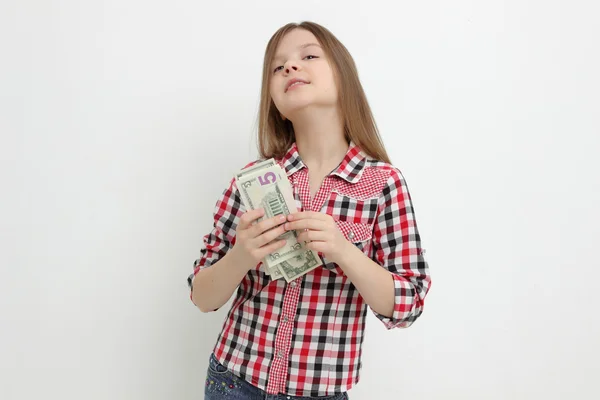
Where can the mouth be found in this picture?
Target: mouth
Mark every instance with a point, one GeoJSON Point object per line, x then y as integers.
{"type": "Point", "coordinates": [294, 83]}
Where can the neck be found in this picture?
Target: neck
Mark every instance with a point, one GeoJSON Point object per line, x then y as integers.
{"type": "Point", "coordinates": [320, 139]}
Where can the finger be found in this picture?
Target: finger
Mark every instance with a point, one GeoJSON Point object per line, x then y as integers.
{"type": "Point", "coordinates": [313, 236]}
{"type": "Point", "coordinates": [249, 217]}
{"type": "Point", "coordinates": [267, 224]}
{"type": "Point", "coordinates": [307, 215]}
{"type": "Point", "coordinates": [319, 247]}
{"type": "Point", "coordinates": [306, 224]}
{"type": "Point", "coordinates": [271, 247]}
{"type": "Point", "coordinates": [269, 236]}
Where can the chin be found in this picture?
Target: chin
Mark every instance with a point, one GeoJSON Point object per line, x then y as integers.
{"type": "Point", "coordinates": [299, 106]}
{"type": "Point", "coordinates": [295, 107]}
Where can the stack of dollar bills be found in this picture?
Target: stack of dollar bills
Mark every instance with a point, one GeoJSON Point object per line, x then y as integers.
{"type": "Point", "coordinates": [265, 185]}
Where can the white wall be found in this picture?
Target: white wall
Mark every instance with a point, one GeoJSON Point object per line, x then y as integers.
{"type": "Point", "coordinates": [121, 122]}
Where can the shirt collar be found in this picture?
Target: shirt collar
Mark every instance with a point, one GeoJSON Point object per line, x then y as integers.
{"type": "Point", "coordinates": [349, 169]}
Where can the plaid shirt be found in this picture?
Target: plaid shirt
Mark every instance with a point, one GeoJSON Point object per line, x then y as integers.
{"type": "Point", "coordinates": [304, 338]}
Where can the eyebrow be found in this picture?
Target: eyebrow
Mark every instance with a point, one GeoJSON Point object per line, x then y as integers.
{"type": "Point", "coordinates": [278, 56]}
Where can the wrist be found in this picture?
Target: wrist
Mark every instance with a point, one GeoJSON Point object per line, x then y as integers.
{"type": "Point", "coordinates": [347, 254]}
{"type": "Point", "coordinates": [239, 260]}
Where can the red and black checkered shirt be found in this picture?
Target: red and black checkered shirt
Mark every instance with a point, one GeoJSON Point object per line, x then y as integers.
{"type": "Point", "coordinates": [304, 338]}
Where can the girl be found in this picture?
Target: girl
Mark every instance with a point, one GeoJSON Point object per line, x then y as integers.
{"type": "Point", "coordinates": [303, 339]}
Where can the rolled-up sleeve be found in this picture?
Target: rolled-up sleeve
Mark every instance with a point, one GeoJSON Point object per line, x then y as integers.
{"type": "Point", "coordinates": [397, 247]}
{"type": "Point", "coordinates": [226, 215]}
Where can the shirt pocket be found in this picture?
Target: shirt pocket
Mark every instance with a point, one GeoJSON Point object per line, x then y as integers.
{"type": "Point", "coordinates": [355, 217]}
{"type": "Point", "coordinates": [357, 233]}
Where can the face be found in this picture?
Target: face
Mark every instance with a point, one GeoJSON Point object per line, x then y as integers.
{"type": "Point", "coordinates": [299, 56]}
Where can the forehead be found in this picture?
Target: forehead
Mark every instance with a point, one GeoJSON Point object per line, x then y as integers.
{"type": "Point", "coordinates": [295, 40]}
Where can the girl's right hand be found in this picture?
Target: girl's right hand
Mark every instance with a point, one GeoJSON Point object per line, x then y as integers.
{"type": "Point", "coordinates": [253, 242]}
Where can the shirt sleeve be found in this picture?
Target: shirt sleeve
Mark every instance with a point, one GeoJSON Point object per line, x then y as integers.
{"type": "Point", "coordinates": [226, 216]}
{"type": "Point", "coordinates": [397, 247]}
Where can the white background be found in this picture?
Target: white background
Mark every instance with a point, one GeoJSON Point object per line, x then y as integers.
{"type": "Point", "coordinates": [122, 121]}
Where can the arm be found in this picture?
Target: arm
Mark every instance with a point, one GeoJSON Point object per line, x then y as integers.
{"type": "Point", "coordinates": [212, 287]}
{"type": "Point", "coordinates": [216, 245]}
{"type": "Point", "coordinates": [375, 284]}
{"type": "Point", "coordinates": [234, 246]}
{"type": "Point", "coordinates": [397, 248]}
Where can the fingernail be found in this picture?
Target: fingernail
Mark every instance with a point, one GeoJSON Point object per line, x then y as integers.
{"type": "Point", "coordinates": [282, 218]}
{"type": "Point", "coordinates": [290, 217]}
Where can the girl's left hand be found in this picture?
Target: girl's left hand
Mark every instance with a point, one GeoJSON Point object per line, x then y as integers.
{"type": "Point", "coordinates": [321, 233]}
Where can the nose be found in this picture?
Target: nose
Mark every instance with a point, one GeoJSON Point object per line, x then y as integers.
{"type": "Point", "coordinates": [289, 66]}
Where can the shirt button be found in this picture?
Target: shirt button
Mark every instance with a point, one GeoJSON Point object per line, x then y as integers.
{"type": "Point", "coordinates": [293, 284]}
{"type": "Point", "coordinates": [280, 354]}
{"type": "Point", "coordinates": [285, 319]}
{"type": "Point", "coordinates": [351, 235]}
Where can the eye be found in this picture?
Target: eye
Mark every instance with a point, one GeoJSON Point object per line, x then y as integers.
{"type": "Point", "coordinates": [281, 66]}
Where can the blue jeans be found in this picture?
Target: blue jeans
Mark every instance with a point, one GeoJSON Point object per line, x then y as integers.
{"type": "Point", "coordinates": [222, 384]}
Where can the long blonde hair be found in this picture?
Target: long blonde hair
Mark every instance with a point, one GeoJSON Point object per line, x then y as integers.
{"type": "Point", "coordinates": [276, 135]}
